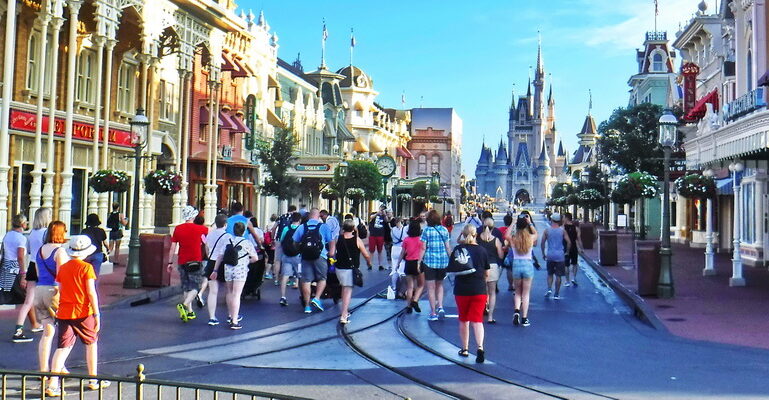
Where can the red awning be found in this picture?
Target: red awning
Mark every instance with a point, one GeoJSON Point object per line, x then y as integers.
{"type": "Point", "coordinates": [226, 122]}
{"type": "Point", "coordinates": [239, 125]}
{"type": "Point", "coordinates": [204, 116]}
{"type": "Point", "coordinates": [242, 71]}
{"type": "Point", "coordinates": [699, 109]}
{"type": "Point", "coordinates": [404, 152]}
{"type": "Point", "coordinates": [227, 65]}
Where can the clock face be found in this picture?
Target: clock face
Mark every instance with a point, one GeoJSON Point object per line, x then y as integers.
{"type": "Point", "coordinates": [385, 165]}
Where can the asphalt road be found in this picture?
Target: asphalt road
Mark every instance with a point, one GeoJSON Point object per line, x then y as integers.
{"type": "Point", "coordinates": [586, 345]}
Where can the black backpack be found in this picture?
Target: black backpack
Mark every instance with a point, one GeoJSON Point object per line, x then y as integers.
{"type": "Point", "coordinates": [230, 256]}
{"type": "Point", "coordinates": [288, 244]}
{"type": "Point", "coordinates": [362, 231]}
{"type": "Point", "coordinates": [113, 221]}
{"type": "Point", "coordinates": [311, 244]}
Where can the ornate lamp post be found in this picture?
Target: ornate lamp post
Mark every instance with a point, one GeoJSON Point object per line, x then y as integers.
{"type": "Point", "coordinates": [585, 178]}
{"type": "Point", "coordinates": [444, 194]}
{"type": "Point", "coordinates": [709, 266]}
{"type": "Point", "coordinates": [139, 125]}
{"type": "Point", "coordinates": [608, 216]}
{"type": "Point", "coordinates": [343, 170]}
{"type": "Point", "coordinates": [668, 125]}
{"type": "Point", "coordinates": [737, 279]}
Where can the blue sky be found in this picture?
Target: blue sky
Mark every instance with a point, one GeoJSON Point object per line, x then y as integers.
{"type": "Point", "coordinates": [468, 54]}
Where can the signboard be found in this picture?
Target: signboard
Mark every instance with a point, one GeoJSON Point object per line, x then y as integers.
{"type": "Point", "coordinates": [621, 220]}
{"type": "Point", "coordinates": [690, 71]}
{"type": "Point", "coordinates": [250, 117]}
{"type": "Point", "coordinates": [744, 104]}
{"type": "Point", "coordinates": [25, 122]}
{"type": "Point", "coordinates": [312, 167]}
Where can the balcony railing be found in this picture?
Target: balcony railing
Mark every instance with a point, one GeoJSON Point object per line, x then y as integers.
{"type": "Point", "coordinates": [656, 36]}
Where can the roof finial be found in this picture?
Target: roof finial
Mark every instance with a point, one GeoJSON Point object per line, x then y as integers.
{"type": "Point", "coordinates": [323, 46]}
{"type": "Point", "coordinates": [590, 101]}
{"type": "Point", "coordinates": [512, 103]}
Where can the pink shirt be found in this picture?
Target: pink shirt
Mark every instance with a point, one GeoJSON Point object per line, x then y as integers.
{"type": "Point", "coordinates": [412, 246]}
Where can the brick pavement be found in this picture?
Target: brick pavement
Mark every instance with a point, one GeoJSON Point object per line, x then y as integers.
{"type": "Point", "coordinates": [704, 308]}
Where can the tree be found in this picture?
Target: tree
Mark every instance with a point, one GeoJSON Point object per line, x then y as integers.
{"type": "Point", "coordinates": [629, 139]}
{"type": "Point", "coordinates": [277, 159]}
{"type": "Point", "coordinates": [362, 175]}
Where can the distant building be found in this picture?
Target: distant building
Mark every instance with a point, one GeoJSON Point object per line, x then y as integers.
{"type": "Point", "coordinates": [655, 81]}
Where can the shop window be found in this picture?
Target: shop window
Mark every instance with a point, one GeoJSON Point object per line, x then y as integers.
{"type": "Point", "coordinates": [126, 88]}
{"type": "Point", "coordinates": [86, 74]}
{"type": "Point", "coordinates": [33, 63]}
{"type": "Point", "coordinates": [22, 184]}
{"type": "Point", "coordinates": [422, 165]}
{"type": "Point", "coordinates": [747, 208]}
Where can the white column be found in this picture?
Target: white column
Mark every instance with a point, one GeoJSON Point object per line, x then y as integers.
{"type": "Point", "coordinates": [737, 278]}
{"type": "Point", "coordinates": [213, 133]}
{"type": "Point", "coordinates": [104, 200]}
{"type": "Point", "coordinates": [709, 265]}
{"type": "Point", "coordinates": [35, 192]}
{"type": "Point", "coordinates": [5, 111]}
{"type": "Point", "coordinates": [93, 197]}
{"type": "Point", "coordinates": [49, 174]}
{"type": "Point", "coordinates": [185, 141]}
{"type": "Point", "coordinates": [65, 196]}
{"type": "Point", "coordinates": [176, 205]}
{"type": "Point", "coordinates": [682, 204]}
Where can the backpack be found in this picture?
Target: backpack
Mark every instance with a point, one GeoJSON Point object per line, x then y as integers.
{"type": "Point", "coordinates": [230, 256]}
{"type": "Point", "coordinates": [267, 239]}
{"type": "Point", "coordinates": [362, 230]}
{"type": "Point", "coordinates": [288, 244]}
{"type": "Point", "coordinates": [283, 221]}
{"type": "Point", "coordinates": [461, 262]}
{"type": "Point", "coordinates": [113, 221]}
{"type": "Point", "coordinates": [311, 245]}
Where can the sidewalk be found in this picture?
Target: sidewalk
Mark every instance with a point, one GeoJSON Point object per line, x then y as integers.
{"type": "Point", "coordinates": [111, 291]}
{"type": "Point", "coordinates": [704, 308]}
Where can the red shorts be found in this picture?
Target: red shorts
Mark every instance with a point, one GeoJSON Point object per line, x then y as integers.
{"type": "Point", "coordinates": [471, 307]}
{"type": "Point", "coordinates": [83, 328]}
{"type": "Point", "coordinates": [375, 243]}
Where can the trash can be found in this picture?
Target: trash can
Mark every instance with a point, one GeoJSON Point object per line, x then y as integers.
{"type": "Point", "coordinates": [587, 234]}
{"type": "Point", "coordinates": [607, 243]}
{"type": "Point", "coordinates": [153, 258]}
{"type": "Point", "coordinates": [647, 266]}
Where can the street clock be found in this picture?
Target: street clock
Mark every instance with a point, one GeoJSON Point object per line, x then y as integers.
{"type": "Point", "coordinates": [385, 165]}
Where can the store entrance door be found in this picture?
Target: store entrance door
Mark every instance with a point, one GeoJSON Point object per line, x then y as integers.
{"type": "Point", "coordinates": [79, 198]}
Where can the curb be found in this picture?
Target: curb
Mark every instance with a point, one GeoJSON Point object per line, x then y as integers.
{"type": "Point", "coordinates": [146, 297]}
{"type": "Point", "coordinates": [640, 308]}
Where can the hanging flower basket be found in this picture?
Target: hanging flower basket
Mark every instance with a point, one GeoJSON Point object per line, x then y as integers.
{"type": "Point", "coordinates": [404, 197]}
{"type": "Point", "coordinates": [435, 199]}
{"type": "Point", "coordinates": [355, 193]}
{"type": "Point", "coordinates": [329, 194]}
{"type": "Point", "coordinates": [420, 199]}
{"type": "Point", "coordinates": [162, 182]}
{"type": "Point", "coordinates": [450, 201]}
{"type": "Point", "coordinates": [590, 199]}
{"type": "Point", "coordinates": [109, 180]}
{"type": "Point", "coordinates": [634, 186]}
{"type": "Point", "coordinates": [696, 186]}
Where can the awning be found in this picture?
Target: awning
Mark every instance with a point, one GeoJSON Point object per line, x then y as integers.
{"type": "Point", "coordinates": [699, 109]}
{"type": "Point", "coordinates": [239, 125]}
{"type": "Point", "coordinates": [242, 72]}
{"type": "Point", "coordinates": [764, 79]}
{"type": "Point", "coordinates": [725, 186]}
{"type": "Point", "coordinates": [272, 82]}
{"type": "Point", "coordinates": [227, 65]}
{"type": "Point", "coordinates": [344, 134]}
{"type": "Point", "coordinates": [404, 152]}
{"type": "Point", "coordinates": [328, 131]}
{"type": "Point", "coordinates": [360, 147]}
{"type": "Point", "coordinates": [375, 146]}
{"type": "Point", "coordinates": [274, 120]}
{"type": "Point", "coordinates": [204, 116]}
{"type": "Point", "coordinates": [225, 122]}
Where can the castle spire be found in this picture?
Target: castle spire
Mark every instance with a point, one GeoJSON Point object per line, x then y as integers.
{"type": "Point", "coordinates": [550, 100]}
{"type": "Point", "coordinates": [512, 103]}
{"type": "Point", "coordinates": [540, 72]}
{"type": "Point", "coordinates": [528, 88]}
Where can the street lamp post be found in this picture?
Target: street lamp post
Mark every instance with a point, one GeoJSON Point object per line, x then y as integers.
{"type": "Point", "coordinates": [343, 170]}
{"type": "Point", "coordinates": [585, 176]}
{"type": "Point", "coordinates": [444, 193]}
{"type": "Point", "coordinates": [668, 125]}
{"type": "Point", "coordinates": [139, 125]}
{"type": "Point", "coordinates": [737, 279]}
{"type": "Point", "coordinates": [709, 266]}
{"type": "Point", "coordinates": [608, 216]}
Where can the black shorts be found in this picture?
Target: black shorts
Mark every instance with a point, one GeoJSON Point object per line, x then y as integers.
{"type": "Point", "coordinates": [116, 234]}
{"type": "Point", "coordinates": [572, 258]}
{"type": "Point", "coordinates": [270, 255]}
{"type": "Point", "coordinates": [413, 268]}
{"type": "Point", "coordinates": [557, 268]}
{"type": "Point", "coordinates": [434, 274]}
{"type": "Point", "coordinates": [209, 269]}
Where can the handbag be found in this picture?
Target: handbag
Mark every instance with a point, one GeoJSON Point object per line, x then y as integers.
{"type": "Point", "coordinates": [357, 277]}
{"type": "Point", "coordinates": [17, 294]}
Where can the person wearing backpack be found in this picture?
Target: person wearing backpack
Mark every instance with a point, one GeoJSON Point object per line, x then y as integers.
{"type": "Point", "coordinates": [283, 221]}
{"type": "Point", "coordinates": [189, 238]}
{"type": "Point", "coordinates": [238, 253]}
{"type": "Point", "coordinates": [115, 222]}
{"type": "Point", "coordinates": [291, 262]}
{"type": "Point", "coordinates": [216, 241]}
{"type": "Point", "coordinates": [316, 245]}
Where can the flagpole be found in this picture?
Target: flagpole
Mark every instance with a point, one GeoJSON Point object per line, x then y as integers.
{"type": "Point", "coordinates": [656, 13]}
{"type": "Point", "coordinates": [352, 48]}
{"type": "Point", "coordinates": [323, 46]}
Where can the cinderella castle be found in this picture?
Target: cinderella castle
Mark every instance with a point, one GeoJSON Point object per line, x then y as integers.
{"type": "Point", "coordinates": [533, 160]}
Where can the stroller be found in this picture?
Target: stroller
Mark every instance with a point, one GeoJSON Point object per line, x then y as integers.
{"type": "Point", "coordinates": [254, 280]}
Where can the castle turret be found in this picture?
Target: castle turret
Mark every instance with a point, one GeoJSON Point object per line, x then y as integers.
{"type": "Point", "coordinates": [501, 170]}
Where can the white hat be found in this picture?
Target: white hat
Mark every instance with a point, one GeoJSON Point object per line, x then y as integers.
{"type": "Point", "coordinates": [80, 246]}
{"type": "Point", "coordinates": [555, 217]}
{"type": "Point", "coordinates": [188, 213]}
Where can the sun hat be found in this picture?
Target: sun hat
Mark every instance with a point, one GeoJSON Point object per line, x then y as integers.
{"type": "Point", "coordinates": [92, 220]}
{"type": "Point", "coordinates": [80, 246]}
{"type": "Point", "coordinates": [555, 217]}
{"type": "Point", "coordinates": [188, 213]}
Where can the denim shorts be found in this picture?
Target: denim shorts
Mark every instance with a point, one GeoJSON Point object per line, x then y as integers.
{"type": "Point", "coordinates": [523, 269]}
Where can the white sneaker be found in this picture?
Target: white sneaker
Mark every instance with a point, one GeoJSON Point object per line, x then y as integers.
{"type": "Point", "coordinates": [548, 293]}
{"type": "Point", "coordinates": [567, 284]}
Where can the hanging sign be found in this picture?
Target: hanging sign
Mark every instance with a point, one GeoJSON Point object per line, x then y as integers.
{"type": "Point", "coordinates": [26, 122]}
{"type": "Point", "coordinates": [250, 117]}
{"type": "Point", "coordinates": [690, 71]}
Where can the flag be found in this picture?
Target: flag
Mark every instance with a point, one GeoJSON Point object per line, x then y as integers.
{"type": "Point", "coordinates": [352, 38]}
{"type": "Point", "coordinates": [325, 31]}
{"type": "Point", "coordinates": [403, 98]}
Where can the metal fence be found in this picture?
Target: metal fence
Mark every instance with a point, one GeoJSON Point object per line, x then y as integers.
{"type": "Point", "coordinates": [28, 385]}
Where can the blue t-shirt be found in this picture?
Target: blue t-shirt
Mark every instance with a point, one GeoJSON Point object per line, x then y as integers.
{"type": "Point", "coordinates": [231, 221]}
{"type": "Point", "coordinates": [555, 250]}
{"type": "Point", "coordinates": [325, 234]}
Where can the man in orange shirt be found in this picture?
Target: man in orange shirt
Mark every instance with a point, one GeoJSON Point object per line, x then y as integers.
{"type": "Point", "coordinates": [78, 313]}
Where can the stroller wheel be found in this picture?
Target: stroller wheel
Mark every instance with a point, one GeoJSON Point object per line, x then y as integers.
{"type": "Point", "coordinates": [259, 294]}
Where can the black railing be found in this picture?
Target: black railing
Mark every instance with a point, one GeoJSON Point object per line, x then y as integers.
{"type": "Point", "coordinates": [31, 385]}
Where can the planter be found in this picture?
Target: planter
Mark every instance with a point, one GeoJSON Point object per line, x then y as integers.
{"type": "Point", "coordinates": [587, 234]}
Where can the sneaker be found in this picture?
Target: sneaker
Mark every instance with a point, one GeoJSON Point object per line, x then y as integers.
{"type": "Point", "coordinates": [19, 337]}
{"type": "Point", "coordinates": [276, 282]}
{"type": "Point", "coordinates": [441, 312]}
{"type": "Point", "coordinates": [567, 284]}
{"type": "Point", "coordinates": [182, 312]}
{"type": "Point", "coordinates": [381, 268]}
{"type": "Point", "coordinates": [574, 283]}
{"type": "Point", "coordinates": [548, 293]}
{"type": "Point", "coordinates": [415, 306]}
{"type": "Point", "coordinates": [432, 317]}
{"type": "Point", "coordinates": [53, 392]}
{"type": "Point", "coordinates": [308, 310]}
{"type": "Point", "coordinates": [213, 322]}
{"type": "Point", "coordinates": [37, 329]}
{"type": "Point", "coordinates": [409, 310]}
{"type": "Point", "coordinates": [290, 282]}
{"type": "Point", "coordinates": [480, 356]}
{"type": "Point", "coordinates": [199, 301]}
{"type": "Point", "coordinates": [316, 303]}
{"type": "Point", "coordinates": [268, 276]}
{"type": "Point", "coordinates": [525, 322]}
{"type": "Point", "coordinates": [370, 267]}
{"type": "Point", "coordinates": [229, 319]}
{"type": "Point", "coordinates": [557, 297]}
{"type": "Point", "coordinates": [236, 326]}
{"type": "Point", "coordinates": [283, 301]}
{"type": "Point", "coordinates": [516, 319]}
{"type": "Point", "coordinates": [191, 315]}
{"type": "Point", "coordinates": [95, 384]}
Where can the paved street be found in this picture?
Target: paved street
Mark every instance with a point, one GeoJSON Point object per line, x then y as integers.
{"type": "Point", "coordinates": [586, 346]}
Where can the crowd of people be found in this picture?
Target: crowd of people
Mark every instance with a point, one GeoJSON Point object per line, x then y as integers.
{"type": "Point", "coordinates": [310, 250]}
